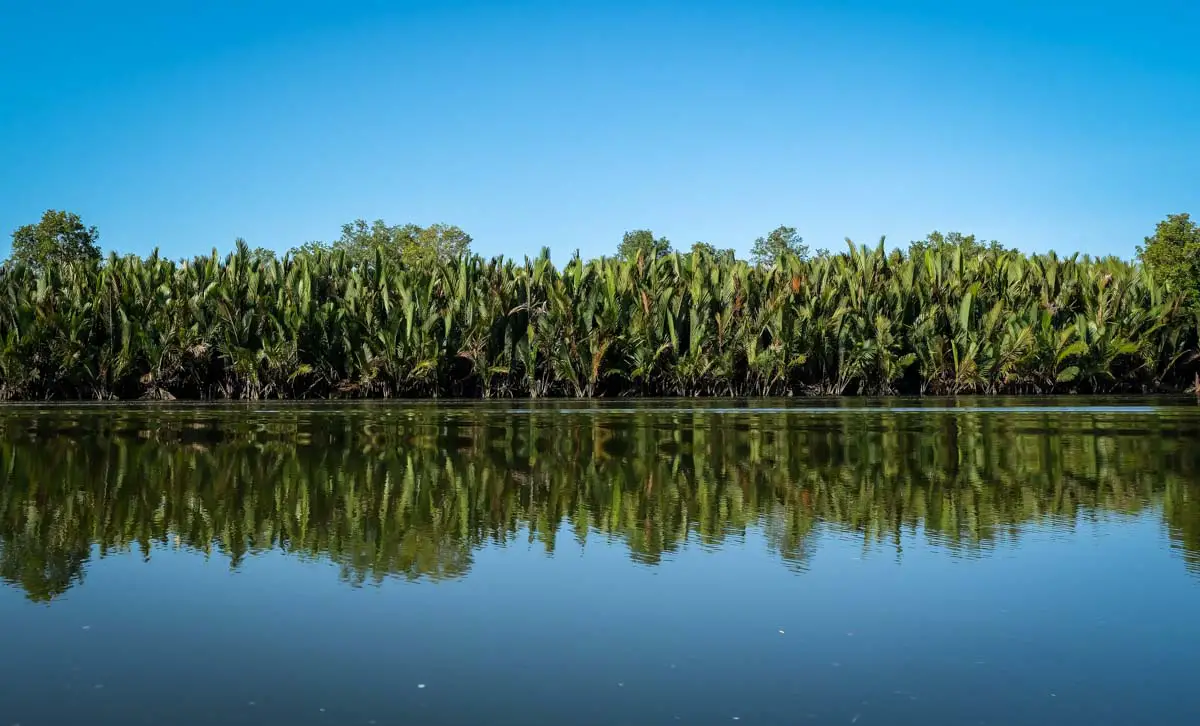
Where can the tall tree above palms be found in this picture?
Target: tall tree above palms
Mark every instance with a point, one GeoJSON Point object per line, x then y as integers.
{"type": "Point", "coordinates": [725, 256]}
{"type": "Point", "coordinates": [1173, 253]}
{"type": "Point", "coordinates": [780, 241]}
{"type": "Point", "coordinates": [408, 244]}
{"type": "Point", "coordinates": [643, 242]}
{"type": "Point", "coordinates": [969, 244]}
{"type": "Point", "coordinates": [59, 238]}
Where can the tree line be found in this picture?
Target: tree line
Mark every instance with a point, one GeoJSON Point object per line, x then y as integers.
{"type": "Point", "coordinates": [414, 496]}
{"type": "Point", "coordinates": [405, 310]}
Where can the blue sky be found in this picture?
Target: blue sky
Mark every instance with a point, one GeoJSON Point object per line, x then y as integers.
{"type": "Point", "coordinates": [1046, 125]}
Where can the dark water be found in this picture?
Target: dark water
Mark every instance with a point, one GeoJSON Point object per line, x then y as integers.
{"type": "Point", "coordinates": [990, 562]}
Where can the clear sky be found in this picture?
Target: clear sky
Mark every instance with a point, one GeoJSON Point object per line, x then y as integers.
{"type": "Point", "coordinates": [183, 125]}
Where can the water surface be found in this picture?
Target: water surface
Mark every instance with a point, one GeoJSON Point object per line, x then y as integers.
{"type": "Point", "coordinates": [650, 562]}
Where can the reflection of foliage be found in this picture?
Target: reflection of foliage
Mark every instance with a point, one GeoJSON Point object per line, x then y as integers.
{"type": "Point", "coordinates": [43, 569]}
{"type": "Point", "coordinates": [413, 492]}
{"type": "Point", "coordinates": [1181, 509]}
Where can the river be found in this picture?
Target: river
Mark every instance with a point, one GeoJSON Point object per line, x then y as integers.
{"type": "Point", "coordinates": [979, 561]}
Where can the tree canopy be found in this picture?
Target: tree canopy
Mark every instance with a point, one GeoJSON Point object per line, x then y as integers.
{"type": "Point", "coordinates": [727, 256]}
{"type": "Point", "coordinates": [643, 242]}
{"type": "Point", "coordinates": [968, 243]}
{"type": "Point", "coordinates": [409, 244]}
{"type": "Point", "coordinates": [780, 241]}
{"type": "Point", "coordinates": [1173, 253]}
{"type": "Point", "coordinates": [60, 237]}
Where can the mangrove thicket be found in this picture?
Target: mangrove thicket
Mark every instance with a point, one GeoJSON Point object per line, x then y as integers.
{"type": "Point", "coordinates": [409, 311]}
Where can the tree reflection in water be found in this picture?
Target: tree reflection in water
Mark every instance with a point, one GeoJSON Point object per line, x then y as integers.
{"type": "Point", "coordinates": [414, 491]}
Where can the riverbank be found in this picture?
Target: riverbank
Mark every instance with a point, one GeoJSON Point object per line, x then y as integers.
{"type": "Point", "coordinates": [865, 322]}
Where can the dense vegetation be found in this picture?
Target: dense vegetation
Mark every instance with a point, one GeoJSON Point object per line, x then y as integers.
{"type": "Point", "coordinates": [415, 492]}
{"type": "Point", "coordinates": [404, 311]}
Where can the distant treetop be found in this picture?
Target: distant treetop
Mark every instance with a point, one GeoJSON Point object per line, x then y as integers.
{"type": "Point", "coordinates": [780, 241]}
{"type": "Point", "coordinates": [408, 244]}
{"type": "Point", "coordinates": [642, 242]}
{"type": "Point", "coordinates": [968, 243]}
{"type": "Point", "coordinates": [60, 237]}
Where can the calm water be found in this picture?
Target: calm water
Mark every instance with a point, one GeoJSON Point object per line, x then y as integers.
{"type": "Point", "coordinates": [986, 562]}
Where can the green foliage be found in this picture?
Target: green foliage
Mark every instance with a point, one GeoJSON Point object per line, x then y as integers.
{"type": "Point", "coordinates": [416, 492]}
{"type": "Point", "coordinates": [59, 238]}
{"type": "Point", "coordinates": [641, 243]}
{"type": "Point", "coordinates": [258, 255]}
{"type": "Point", "coordinates": [724, 256]}
{"type": "Point", "coordinates": [966, 244]}
{"type": "Point", "coordinates": [1173, 253]}
{"type": "Point", "coordinates": [333, 324]}
{"type": "Point", "coordinates": [781, 242]}
{"type": "Point", "coordinates": [407, 244]}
